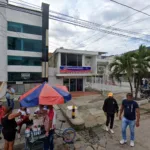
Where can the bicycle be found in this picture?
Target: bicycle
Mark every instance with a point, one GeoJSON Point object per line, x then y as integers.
{"type": "Point", "coordinates": [67, 134]}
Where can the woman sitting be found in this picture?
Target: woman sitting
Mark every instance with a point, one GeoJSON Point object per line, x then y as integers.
{"type": "Point", "coordinates": [23, 119]}
{"type": "Point", "coordinates": [9, 127]}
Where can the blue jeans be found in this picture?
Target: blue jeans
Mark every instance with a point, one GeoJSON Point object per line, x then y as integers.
{"type": "Point", "coordinates": [8, 102]}
{"type": "Point", "coordinates": [49, 141]}
{"type": "Point", "coordinates": [131, 124]}
{"type": "Point", "coordinates": [12, 103]}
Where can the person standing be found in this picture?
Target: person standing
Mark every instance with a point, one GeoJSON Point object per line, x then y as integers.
{"type": "Point", "coordinates": [11, 92]}
{"type": "Point", "coordinates": [2, 112]}
{"type": "Point", "coordinates": [110, 107]}
{"type": "Point", "coordinates": [50, 125]}
{"type": "Point", "coordinates": [9, 128]}
{"type": "Point", "coordinates": [8, 96]}
{"type": "Point", "coordinates": [131, 118]}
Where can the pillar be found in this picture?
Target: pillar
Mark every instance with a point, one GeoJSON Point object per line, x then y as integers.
{"type": "Point", "coordinates": [45, 41]}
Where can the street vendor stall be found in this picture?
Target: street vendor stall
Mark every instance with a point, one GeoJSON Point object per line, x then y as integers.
{"type": "Point", "coordinates": [43, 94]}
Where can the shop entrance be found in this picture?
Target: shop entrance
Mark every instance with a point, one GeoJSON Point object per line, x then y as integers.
{"type": "Point", "coordinates": [73, 84]}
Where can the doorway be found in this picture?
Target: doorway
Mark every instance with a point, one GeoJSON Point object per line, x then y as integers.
{"type": "Point", "coordinates": [73, 84]}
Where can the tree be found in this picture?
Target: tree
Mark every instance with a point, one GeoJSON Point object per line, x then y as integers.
{"type": "Point", "coordinates": [141, 60]}
{"type": "Point", "coordinates": [123, 65]}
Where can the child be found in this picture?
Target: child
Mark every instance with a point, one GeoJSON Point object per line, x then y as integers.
{"type": "Point", "coordinates": [2, 112]}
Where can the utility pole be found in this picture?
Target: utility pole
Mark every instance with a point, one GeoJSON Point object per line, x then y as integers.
{"type": "Point", "coordinates": [45, 41]}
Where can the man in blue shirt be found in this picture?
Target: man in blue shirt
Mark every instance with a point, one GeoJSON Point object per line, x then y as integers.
{"type": "Point", "coordinates": [131, 118]}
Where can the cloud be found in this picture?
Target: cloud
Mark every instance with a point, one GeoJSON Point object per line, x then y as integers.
{"type": "Point", "coordinates": [103, 12]}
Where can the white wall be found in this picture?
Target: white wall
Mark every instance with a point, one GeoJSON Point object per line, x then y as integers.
{"type": "Point", "coordinates": [94, 64]}
{"type": "Point", "coordinates": [3, 43]}
{"type": "Point", "coordinates": [24, 68]}
{"type": "Point", "coordinates": [22, 17]}
{"type": "Point", "coordinates": [24, 54]}
{"type": "Point", "coordinates": [52, 77]}
{"type": "Point", "coordinates": [88, 61]}
{"type": "Point", "coordinates": [24, 35]}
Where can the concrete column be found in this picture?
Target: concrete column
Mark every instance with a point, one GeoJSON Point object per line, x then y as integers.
{"type": "Point", "coordinates": [58, 62]}
{"type": "Point", "coordinates": [84, 82]}
{"type": "Point", "coordinates": [3, 41]}
{"type": "Point", "coordinates": [3, 48]}
{"type": "Point", "coordinates": [83, 60]}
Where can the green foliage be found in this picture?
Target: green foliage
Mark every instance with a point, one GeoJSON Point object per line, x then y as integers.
{"type": "Point", "coordinates": [132, 64]}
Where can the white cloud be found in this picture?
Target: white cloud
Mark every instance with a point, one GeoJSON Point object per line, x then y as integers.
{"type": "Point", "coordinates": [100, 11]}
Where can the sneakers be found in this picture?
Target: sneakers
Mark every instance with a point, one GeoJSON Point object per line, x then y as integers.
{"type": "Point", "coordinates": [19, 136]}
{"type": "Point", "coordinates": [132, 143]}
{"type": "Point", "coordinates": [123, 142]}
{"type": "Point", "coordinates": [112, 131]}
{"type": "Point", "coordinates": [107, 129]}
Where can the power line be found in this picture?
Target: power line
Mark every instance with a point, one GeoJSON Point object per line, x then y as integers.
{"type": "Point", "coordinates": [100, 38]}
{"type": "Point", "coordinates": [35, 7]}
{"type": "Point", "coordinates": [91, 25]}
{"type": "Point", "coordinates": [131, 8]}
{"type": "Point", "coordinates": [97, 29]}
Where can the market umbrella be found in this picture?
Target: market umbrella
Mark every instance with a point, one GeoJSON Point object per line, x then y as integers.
{"type": "Point", "coordinates": [45, 94]}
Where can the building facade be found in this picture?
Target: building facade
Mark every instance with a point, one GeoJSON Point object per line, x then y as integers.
{"type": "Point", "coordinates": [73, 68]}
{"type": "Point", "coordinates": [23, 45]}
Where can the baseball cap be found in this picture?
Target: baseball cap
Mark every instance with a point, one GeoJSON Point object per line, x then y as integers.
{"type": "Point", "coordinates": [110, 94]}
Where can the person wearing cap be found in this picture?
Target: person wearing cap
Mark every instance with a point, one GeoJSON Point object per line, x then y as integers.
{"type": "Point", "coordinates": [2, 112]}
{"type": "Point", "coordinates": [110, 107]}
{"type": "Point", "coordinates": [131, 118]}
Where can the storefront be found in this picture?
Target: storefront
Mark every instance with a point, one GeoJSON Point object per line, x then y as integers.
{"type": "Point", "coordinates": [73, 84]}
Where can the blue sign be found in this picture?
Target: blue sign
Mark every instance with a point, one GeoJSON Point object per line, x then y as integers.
{"type": "Point", "coordinates": [74, 69]}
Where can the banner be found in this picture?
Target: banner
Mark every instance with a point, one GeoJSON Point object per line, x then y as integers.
{"type": "Point", "coordinates": [74, 69]}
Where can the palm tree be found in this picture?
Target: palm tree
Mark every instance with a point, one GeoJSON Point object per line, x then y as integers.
{"type": "Point", "coordinates": [141, 65]}
{"type": "Point", "coordinates": [123, 65]}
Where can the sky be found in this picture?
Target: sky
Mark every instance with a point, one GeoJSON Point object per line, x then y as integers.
{"type": "Point", "coordinates": [103, 12]}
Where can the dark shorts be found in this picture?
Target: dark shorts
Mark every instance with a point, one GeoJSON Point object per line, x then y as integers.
{"type": "Point", "coordinates": [9, 135]}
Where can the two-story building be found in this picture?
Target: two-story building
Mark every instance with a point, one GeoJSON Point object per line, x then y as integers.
{"type": "Point", "coordinates": [73, 67]}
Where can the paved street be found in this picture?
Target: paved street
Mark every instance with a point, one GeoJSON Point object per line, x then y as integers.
{"type": "Point", "coordinates": [96, 138]}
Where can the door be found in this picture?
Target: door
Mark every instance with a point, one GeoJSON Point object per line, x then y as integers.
{"type": "Point", "coordinates": [73, 85]}
{"type": "Point", "coordinates": [66, 83]}
{"type": "Point", "coordinates": [79, 84]}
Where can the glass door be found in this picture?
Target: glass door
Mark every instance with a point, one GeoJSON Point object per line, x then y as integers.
{"type": "Point", "coordinates": [73, 85]}
{"type": "Point", "coordinates": [66, 83]}
{"type": "Point", "coordinates": [79, 84]}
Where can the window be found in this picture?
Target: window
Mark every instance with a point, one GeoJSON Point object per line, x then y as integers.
{"type": "Point", "coordinates": [14, 43]}
{"type": "Point", "coordinates": [24, 28]}
{"type": "Point", "coordinates": [71, 60]}
{"type": "Point", "coordinates": [24, 76]}
{"type": "Point", "coordinates": [79, 60]}
{"type": "Point", "coordinates": [24, 61]}
{"type": "Point", "coordinates": [24, 44]}
{"type": "Point", "coordinates": [63, 59]}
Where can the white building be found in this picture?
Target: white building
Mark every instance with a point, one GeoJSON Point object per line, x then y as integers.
{"type": "Point", "coordinates": [23, 49]}
{"type": "Point", "coordinates": [73, 67]}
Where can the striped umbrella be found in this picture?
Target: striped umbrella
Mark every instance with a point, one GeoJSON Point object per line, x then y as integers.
{"type": "Point", "coordinates": [45, 94]}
